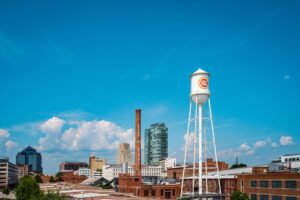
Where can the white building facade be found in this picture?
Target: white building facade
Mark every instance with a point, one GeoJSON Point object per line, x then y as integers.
{"type": "Point", "coordinates": [83, 172]}
{"type": "Point", "coordinates": [167, 163]}
{"type": "Point", "coordinates": [113, 171]}
{"type": "Point", "coordinates": [287, 161]}
{"type": "Point", "coordinates": [9, 173]}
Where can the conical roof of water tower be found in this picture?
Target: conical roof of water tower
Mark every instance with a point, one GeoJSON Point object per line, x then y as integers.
{"type": "Point", "coordinates": [199, 71]}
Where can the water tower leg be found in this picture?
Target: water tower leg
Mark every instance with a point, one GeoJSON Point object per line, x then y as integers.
{"type": "Point", "coordinates": [205, 156]}
{"type": "Point", "coordinates": [214, 143]}
{"type": "Point", "coordinates": [186, 147]}
{"type": "Point", "coordinates": [200, 148]}
{"type": "Point", "coordinates": [195, 144]}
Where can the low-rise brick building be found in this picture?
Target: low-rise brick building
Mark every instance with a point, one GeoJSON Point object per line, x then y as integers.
{"type": "Point", "coordinates": [264, 185]}
{"type": "Point", "coordinates": [176, 172]}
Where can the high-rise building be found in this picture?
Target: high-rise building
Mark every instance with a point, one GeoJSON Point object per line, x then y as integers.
{"type": "Point", "coordinates": [124, 154]}
{"type": "Point", "coordinates": [29, 156]}
{"type": "Point", "coordinates": [156, 143]}
{"type": "Point", "coordinates": [8, 173]}
{"type": "Point", "coordinates": [96, 165]}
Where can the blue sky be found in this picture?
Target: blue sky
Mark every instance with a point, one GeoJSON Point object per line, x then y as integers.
{"type": "Point", "coordinates": [74, 68]}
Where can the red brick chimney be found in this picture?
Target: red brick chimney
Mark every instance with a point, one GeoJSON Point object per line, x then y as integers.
{"type": "Point", "coordinates": [138, 165]}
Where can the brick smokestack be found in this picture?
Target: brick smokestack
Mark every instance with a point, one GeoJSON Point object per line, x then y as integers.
{"type": "Point", "coordinates": [138, 165]}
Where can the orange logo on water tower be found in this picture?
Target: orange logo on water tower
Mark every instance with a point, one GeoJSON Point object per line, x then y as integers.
{"type": "Point", "coordinates": [203, 83]}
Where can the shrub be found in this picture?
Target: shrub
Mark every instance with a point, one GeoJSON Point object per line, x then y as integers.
{"type": "Point", "coordinates": [38, 179]}
{"type": "Point", "coordinates": [51, 180]}
{"type": "Point", "coordinates": [237, 195]}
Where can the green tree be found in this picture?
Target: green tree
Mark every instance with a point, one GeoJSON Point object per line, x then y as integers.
{"type": "Point", "coordinates": [59, 177]}
{"type": "Point", "coordinates": [6, 191]}
{"type": "Point", "coordinates": [237, 195]}
{"type": "Point", "coordinates": [52, 196]}
{"type": "Point", "coordinates": [58, 174]}
{"type": "Point", "coordinates": [27, 189]}
{"type": "Point", "coordinates": [51, 179]}
{"type": "Point", "coordinates": [38, 179]}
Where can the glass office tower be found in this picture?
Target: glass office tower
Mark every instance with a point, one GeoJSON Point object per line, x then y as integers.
{"type": "Point", "coordinates": [156, 143]}
{"type": "Point", "coordinates": [29, 156]}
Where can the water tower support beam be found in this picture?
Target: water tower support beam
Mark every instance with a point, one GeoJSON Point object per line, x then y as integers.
{"type": "Point", "coordinates": [186, 146]}
{"type": "Point", "coordinates": [195, 144]}
{"type": "Point", "coordinates": [214, 143]}
{"type": "Point", "coordinates": [200, 148]}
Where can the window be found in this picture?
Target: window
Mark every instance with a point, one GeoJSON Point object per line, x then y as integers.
{"type": "Point", "coordinates": [253, 183]}
{"type": "Point", "coordinates": [145, 193]}
{"type": "Point", "coordinates": [162, 192]}
{"type": "Point", "coordinates": [173, 191]}
{"type": "Point", "coordinates": [253, 197]}
{"type": "Point", "coordinates": [291, 184]}
{"type": "Point", "coordinates": [263, 197]}
{"type": "Point", "coordinates": [291, 198]}
{"type": "Point", "coordinates": [263, 184]}
{"type": "Point", "coordinates": [174, 175]}
{"type": "Point", "coordinates": [276, 184]}
{"type": "Point", "coordinates": [153, 193]}
{"type": "Point", "coordinates": [136, 179]}
{"type": "Point", "coordinates": [276, 197]}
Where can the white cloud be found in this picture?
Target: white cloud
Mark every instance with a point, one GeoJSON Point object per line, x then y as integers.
{"type": "Point", "coordinates": [52, 125]}
{"type": "Point", "coordinates": [96, 135]}
{"type": "Point", "coordinates": [5, 143]}
{"type": "Point", "coordinates": [250, 152]}
{"type": "Point", "coordinates": [10, 144]}
{"type": "Point", "coordinates": [245, 150]}
{"type": "Point", "coordinates": [286, 140]}
{"type": "Point", "coordinates": [74, 115]}
{"type": "Point", "coordinates": [286, 77]}
{"type": "Point", "coordinates": [244, 147]}
{"type": "Point", "coordinates": [274, 144]}
{"type": "Point", "coordinates": [90, 135]}
{"type": "Point", "coordinates": [260, 143]}
{"type": "Point", "coordinates": [228, 153]}
{"type": "Point", "coordinates": [4, 133]}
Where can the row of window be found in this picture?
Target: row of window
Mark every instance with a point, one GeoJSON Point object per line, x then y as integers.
{"type": "Point", "coordinates": [266, 197]}
{"type": "Point", "coordinates": [290, 184]}
{"type": "Point", "coordinates": [292, 159]}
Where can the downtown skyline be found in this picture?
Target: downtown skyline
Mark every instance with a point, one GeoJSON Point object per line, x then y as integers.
{"type": "Point", "coordinates": [73, 73]}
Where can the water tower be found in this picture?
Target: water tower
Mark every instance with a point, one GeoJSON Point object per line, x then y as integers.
{"type": "Point", "coordinates": [200, 141]}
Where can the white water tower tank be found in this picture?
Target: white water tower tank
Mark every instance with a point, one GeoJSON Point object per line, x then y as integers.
{"type": "Point", "coordinates": [199, 86]}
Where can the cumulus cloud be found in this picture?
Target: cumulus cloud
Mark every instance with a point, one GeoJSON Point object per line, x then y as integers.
{"type": "Point", "coordinates": [10, 144]}
{"type": "Point", "coordinates": [286, 140]}
{"type": "Point", "coordinates": [53, 125]}
{"type": "Point", "coordinates": [4, 133]}
{"type": "Point", "coordinates": [260, 143]}
{"type": "Point", "coordinates": [96, 135]}
{"type": "Point", "coordinates": [250, 152]}
{"type": "Point", "coordinates": [5, 143]}
{"type": "Point", "coordinates": [86, 135]}
{"type": "Point", "coordinates": [228, 153]}
{"type": "Point", "coordinates": [244, 147]}
{"type": "Point", "coordinates": [247, 150]}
